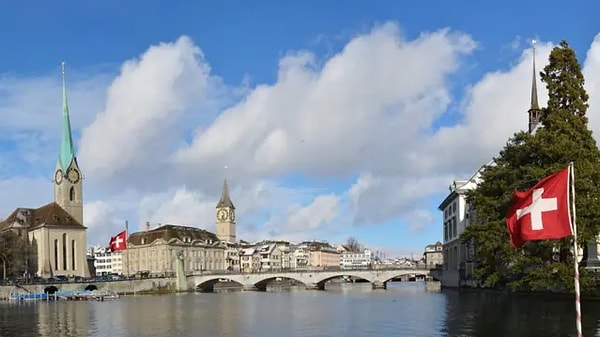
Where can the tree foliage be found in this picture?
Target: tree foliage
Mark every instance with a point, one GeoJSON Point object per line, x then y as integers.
{"type": "Point", "coordinates": [524, 161]}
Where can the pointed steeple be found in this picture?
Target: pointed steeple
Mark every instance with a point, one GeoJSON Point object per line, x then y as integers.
{"type": "Point", "coordinates": [534, 108]}
{"type": "Point", "coordinates": [225, 200]}
{"type": "Point", "coordinates": [534, 94]}
{"type": "Point", "coordinates": [67, 154]}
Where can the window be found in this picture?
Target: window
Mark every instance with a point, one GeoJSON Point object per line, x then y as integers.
{"type": "Point", "coordinates": [64, 251]}
{"type": "Point", "coordinates": [72, 193]}
{"type": "Point", "coordinates": [72, 254]}
{"type": "Point", "coordinates": [55, 254]}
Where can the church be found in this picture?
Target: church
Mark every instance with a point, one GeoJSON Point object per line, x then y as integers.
{"type": "Point", "coordinates": [56, 230]}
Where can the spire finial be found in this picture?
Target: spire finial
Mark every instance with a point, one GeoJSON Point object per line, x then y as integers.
{"type": "Point", "coordinates": [67, 153]}
{"type": "Point", "coordinates": [534, 95]}
{"type": "Point", "coordinates": [225, 200]}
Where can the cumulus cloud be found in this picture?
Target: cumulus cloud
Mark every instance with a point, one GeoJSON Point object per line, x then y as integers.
{"type": "Point", "coordinates": [156, 148]}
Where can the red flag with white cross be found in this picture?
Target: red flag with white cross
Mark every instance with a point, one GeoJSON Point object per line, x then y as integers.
{"type": "Point", "coordinates": [542, 212]}
{"type": "Point", "coordinates": [118, 242]}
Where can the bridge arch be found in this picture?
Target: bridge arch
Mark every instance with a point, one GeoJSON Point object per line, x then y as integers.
{"type": "Point", "coordinates": [390, 276]}
{"type": "Point", "coordinates": [262, 284]}
{"type": "Point", "coordinates": [321, 281]}
{"type": "Point", "coordinates": [50, 289]}
{"type": "Point", "coordinates": [91, 287]}
{"type": "Point", "coordinates": [209, 285]}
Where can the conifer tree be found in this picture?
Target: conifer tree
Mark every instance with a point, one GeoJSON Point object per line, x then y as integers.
{"type": "Point", "coordinates": [525, 160]}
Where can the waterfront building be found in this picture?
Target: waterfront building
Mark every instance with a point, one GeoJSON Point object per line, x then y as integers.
{"type": "Point", "coordinates": [299, 257]}
{"type": "Point", "coordinates": [459, 258]}
{"type": "Point", "coordinates": [106, 262]}
{"type": "Point", "coordinates": [154, 251]}
{"type": "Point", "coordinates": [56, 230]}
{"type": "Point", "coordinates": [250, 260]}
{"type": "Point", "coordinates": [433, 255]}
{"type": "Point", "coordinates": [232, 256]}
{"type": "Point", "coordinates": [322, 255]}
{"type": "Point", "coordinates": [356, 260]}
{"type": "Point", "coordinates": [270, 257]}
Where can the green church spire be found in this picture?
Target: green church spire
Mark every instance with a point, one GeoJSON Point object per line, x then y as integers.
{"type": "Point", "coordinates": [67, 154]}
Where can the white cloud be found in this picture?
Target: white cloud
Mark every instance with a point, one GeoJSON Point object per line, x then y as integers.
{"type": "Point", "coordinates": [366, 112]}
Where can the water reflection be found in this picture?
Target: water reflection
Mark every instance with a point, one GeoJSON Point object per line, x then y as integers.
{"type": "Point", "coordinates": [405, 309]}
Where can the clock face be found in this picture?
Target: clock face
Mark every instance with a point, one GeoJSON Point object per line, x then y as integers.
{"type": "Point", "coordinates": [232, 215]}
{"type": "Point", "coordinates": [221, 215]}
{"type": "Point", "coordinates": [58, 177]}
{"type": "Point", "coordinates": [73, 175]}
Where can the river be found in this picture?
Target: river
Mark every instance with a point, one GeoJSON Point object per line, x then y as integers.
{"type": "Point", "coordinates": [404, 309]}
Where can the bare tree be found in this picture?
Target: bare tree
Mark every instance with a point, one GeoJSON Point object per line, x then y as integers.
{"type": "Point", "coordinates": [17, 255]}
{"type": "Point", "coordinates": [353, 245]}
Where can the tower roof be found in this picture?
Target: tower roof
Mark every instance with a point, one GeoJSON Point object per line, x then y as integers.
{"type": "Point", "coordinates": [66, 154]}
{"type": "Point", "coordinates": [225, 200]}
{"type": "Point", "coordinates": [534, 94]}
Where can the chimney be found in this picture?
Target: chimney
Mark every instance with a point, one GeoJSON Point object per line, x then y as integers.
{"type": "Point", "coordinates": [147, 226]}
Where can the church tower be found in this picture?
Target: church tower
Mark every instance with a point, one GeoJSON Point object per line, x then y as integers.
{"type": "Point", "coordinates": [534, 109]}
{"type": "Point", "coordinates": [225, 216]}
{"type": "Point", "coordinates": [68, 189]}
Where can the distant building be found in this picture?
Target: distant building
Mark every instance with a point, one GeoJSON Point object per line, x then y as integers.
{"type": "Point", "coordinates": [105, 261]}
{"type": "Point", "coordinates": [356, 260]}
{"type": "Point", "coordinates": [322, 255]}
{"type": "Point", "coordinates": [250, 260]}
{"type": "Point", "coordinates": [155, 250]}
{"type": "Point", "coordinates": [433, 255]}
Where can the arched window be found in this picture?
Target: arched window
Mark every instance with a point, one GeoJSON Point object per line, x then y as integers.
{"type": "Point", "coordinates": [72, 193]}
{"type": "Point", "coordinates": [55, 254]}
{"type": "Point", "coordinates": [64, 251]}
{"type": "Point", "coordinates": [73, 255]}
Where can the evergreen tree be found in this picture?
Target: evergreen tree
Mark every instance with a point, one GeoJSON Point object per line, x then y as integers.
{"type": "Point", "coordinates": [525, 160]}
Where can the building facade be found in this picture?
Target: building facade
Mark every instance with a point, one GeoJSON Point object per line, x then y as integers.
{"type": "Point", "coordinates": [56, 230]}
{"type": "Point", "coordinates": [106, 262]}
{"type": "Point", "coordinates": [433, 255]}
{"type": "Point", "coordinates": [154, 251]}
{"type": "Point", "coordinates": [322, 255]}
{"type": "Point", "coordinates": [356, 260]}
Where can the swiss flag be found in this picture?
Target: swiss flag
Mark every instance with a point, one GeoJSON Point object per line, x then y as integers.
{"type": "Point", "coordinates": [118, 242]}
{"type": "Point", "coordinates": [541, 212]}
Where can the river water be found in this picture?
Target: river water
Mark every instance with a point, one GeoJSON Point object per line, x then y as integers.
{"type": "Point", "coordinates": [404, 309]}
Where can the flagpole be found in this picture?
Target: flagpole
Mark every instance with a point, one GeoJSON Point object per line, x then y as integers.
{"type": "Point", "coordinates": [127, 248]}
{"type": "Point", "coordinates": [575, 253]}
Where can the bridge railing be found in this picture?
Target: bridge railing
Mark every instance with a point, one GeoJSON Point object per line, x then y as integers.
{"type": "Point", "coordinates": [301, 270]}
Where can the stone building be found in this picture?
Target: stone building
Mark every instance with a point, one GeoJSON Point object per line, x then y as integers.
{"type": "Point", "coordinates": [322, 255]}
{"type": "Point", "coordinates": [154, 251]}
{"type": "Point", "coordinates": [56, 230]}
{"type": "Point", "coordinates": [433, 255]}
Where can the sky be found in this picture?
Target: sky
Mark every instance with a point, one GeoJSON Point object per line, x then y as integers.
{"type": "Point", "coordinates": [327, 120]}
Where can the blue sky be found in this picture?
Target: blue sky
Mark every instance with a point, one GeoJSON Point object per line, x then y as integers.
{"type": "Point", "coordinates": [261, 73]}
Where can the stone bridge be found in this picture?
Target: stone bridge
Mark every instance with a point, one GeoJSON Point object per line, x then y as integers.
{"type": "Point", "coordinates": [205, 281]}
{"type": "Point", "coordinates": [311, 279]}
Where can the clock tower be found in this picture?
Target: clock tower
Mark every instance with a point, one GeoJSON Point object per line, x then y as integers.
{"type": "Point", "coordinates": [225, 212]}
{"type": "Point", "coordinates": [68, 189]}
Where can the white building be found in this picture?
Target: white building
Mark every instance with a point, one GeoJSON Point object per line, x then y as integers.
{"type": "Point", "coordinates": [299, 257]}
{"type": "Point", "coordinates": [458, 215]}
{"type": "Point", "coordinates": [105, 261]}
{"type": "Point", "coordinates": [356, 260]}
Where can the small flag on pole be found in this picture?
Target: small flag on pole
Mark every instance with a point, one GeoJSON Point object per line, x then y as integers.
{"type": "Point", "coordinates": [118, 242]}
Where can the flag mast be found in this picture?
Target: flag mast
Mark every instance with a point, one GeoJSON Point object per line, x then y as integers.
{"type": "Point", "coordinates": [575, 252]}
{"type": "Point", "coordinates": [127, 248]}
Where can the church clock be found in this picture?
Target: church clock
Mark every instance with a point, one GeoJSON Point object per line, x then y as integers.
{"type": "Point", "coordinates": [58, 176]}
{"type": "Point", "coordinates": [222, 215]}
{"type": "Point", "coordinates": [73, 175]}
